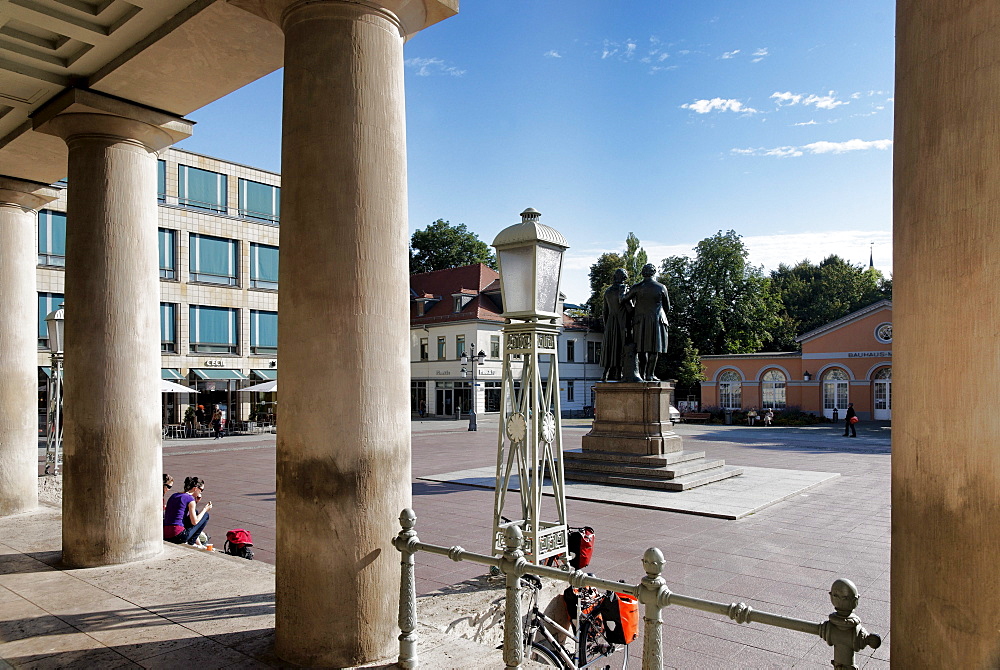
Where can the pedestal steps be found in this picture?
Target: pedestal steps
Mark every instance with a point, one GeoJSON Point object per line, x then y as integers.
{"type": "Point", "coordinates": [675, 471]}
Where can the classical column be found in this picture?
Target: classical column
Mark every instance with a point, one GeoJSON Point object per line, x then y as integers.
{"type": "Point", "coordinates": [19, 204]}
{"type": "Point", "coordinates": [112, 463]}
{"type": "Point", "coordinates": [343, 453]}
{"type": "Point", "coordinates": [945, 456]}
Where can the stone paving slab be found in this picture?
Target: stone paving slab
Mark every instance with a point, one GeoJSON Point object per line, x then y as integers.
{"type": "Point", "coordinates": [732, 498]}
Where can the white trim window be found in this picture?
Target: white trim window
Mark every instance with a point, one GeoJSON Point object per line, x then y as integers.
{"type": "Point", "coordinates": [168, 327]}
{"type": "Point", "coordinates": [260, 201]}
{"type": "Point", "coordinates": [730, 390]}
{"type": "Point", "coordinates": [772, 389]}
{"type": "Point", "coordinates": [263, 266]}
{"type": "Point", "coordinates": [214, 330]}
{"type": "Point", "coordinates": [52, 238]}
{"type": "Point", "coordinates": [168, 253]}
{"type": "Point", "coordinates": [263, 333]}
{"type": "Point", "coordinates": [214, 260]}
{"type": "Point", "coordinates": [201, 189]}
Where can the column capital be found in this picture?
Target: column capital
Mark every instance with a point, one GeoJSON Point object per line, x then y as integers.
{"type": "Point", "coordinates": [25, 194]}
{"type": "Point", "coordinates": [411, 15]}
{"type": "Point", "coordinates": [76, 112]}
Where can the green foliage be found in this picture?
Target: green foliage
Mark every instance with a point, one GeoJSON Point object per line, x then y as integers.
{"type": "Point", "coordinates": [441, 245]}
{"type": "Point", "coordinates": [814, 295]}
{"type": "Point", "coordinates": [602, 274]}
{"type": "Point", "coordinates": [634, 257]}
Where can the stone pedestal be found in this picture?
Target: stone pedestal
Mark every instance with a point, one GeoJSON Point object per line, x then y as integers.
{"type": "Point", "coordinates": [632, 419]}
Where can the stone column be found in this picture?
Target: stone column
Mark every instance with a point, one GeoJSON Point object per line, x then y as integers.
{"type": "Point", "coordinates": [343, 452]}
{"type": "Point", "coordinates": [19, 204]}
{"type": "Point", "coordinates": [946, 460]}
{"type": "Point", "coordinates": [112, 464]}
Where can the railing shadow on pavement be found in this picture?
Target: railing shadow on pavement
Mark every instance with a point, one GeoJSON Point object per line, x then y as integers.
{"type": "Point", "coordinates": [842, 630]}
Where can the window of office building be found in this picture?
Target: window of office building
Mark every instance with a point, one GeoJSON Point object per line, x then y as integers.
{"type": "Point", "coordinates": [47, 302]}
{"type": "Point", "coordinates": [441, 348]}
{"type": "Point", "coordinates": [52, 238]}
{"type": "Point", "coordinates": [459, 345]}
{"type": "Point", "coordinates": [168, 253]}
{"type": "Point", "coordinates": [259, 201]}
{"type": "Point", "coordinates": [593, 352]}
{"type": "Point", "coordinates": [214, 330]}
{"type": "Point", "coordinates": [730, 390]}
{"type": "Point", "coordinates": [424, 353]}
{"type": "Point", "coordinates": [570, 351]}
{"type": "Point", "coordinates": [161, 181]}
{"type": "Point", "coordinates": [772, 389]}
{"type": "Point", "coordinates": [214, 260]}
{"type": "Point", "coordinates": [201, 189]}
{"type": "Point", "coordinates": [570, 391]}
{"type": "Point", "coordinates": [168, 327]}
{"type": "Point", "coordinates": [494, 346]}
{"type": "Point", "coordinates": [263, 266]}
{"type": "Point", "coordinates": [263, 332]}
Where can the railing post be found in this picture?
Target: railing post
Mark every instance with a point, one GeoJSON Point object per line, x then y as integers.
{"type": "Point", "coordinates": [512, 565]}
{"type": "Point", "coordinates": [655, 595]}
{"type": "Point", "coordinates": [406, 543]}
{"type": "Point", "coordinates": [843, 631]}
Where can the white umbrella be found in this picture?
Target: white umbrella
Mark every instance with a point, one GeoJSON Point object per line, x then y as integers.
{"type": "Point", "coordinates": [170, 387]}
{"type": "Point", "coordinates": [263, 387]}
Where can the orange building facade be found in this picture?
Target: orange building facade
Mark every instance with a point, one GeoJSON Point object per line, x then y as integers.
{"type": "Point", "coordinates": [846, 361]}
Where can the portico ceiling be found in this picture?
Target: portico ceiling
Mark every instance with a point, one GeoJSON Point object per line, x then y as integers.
{"type": "Point", "coordinates": [171, 55]}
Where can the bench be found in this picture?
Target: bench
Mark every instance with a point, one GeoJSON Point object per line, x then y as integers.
{"type": "Point", "coordinates": [695, 417]}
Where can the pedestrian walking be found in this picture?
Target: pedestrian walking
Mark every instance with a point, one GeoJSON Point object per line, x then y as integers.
{"type": "Point", "coordinates": [850, 420]}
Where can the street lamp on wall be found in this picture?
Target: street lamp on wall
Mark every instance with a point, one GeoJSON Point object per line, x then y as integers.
{"type": "Point", "coordinates": [477, 360]}
{"type": "Point", "coordinates": [530, 436]}
{"type": "Point", "coordinates": [806, 376]}
{"type": "Point", "coordinates": [54, 323]}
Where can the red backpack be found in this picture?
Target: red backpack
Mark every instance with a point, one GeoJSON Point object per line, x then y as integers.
{"type": "Point", "coordinates": [238, 543]}
{"type": "Point", "coordinates": [581, 546]}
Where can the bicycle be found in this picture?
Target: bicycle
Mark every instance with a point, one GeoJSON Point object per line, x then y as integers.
{"type": "Point", "coordinates": [587, 633]}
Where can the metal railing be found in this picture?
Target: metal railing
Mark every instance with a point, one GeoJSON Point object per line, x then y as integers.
{"type": "Point", "coordinates": [842, 630]}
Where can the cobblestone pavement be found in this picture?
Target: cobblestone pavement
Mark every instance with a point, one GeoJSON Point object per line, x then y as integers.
{"type": "Point", "coordinates": [782, 559]}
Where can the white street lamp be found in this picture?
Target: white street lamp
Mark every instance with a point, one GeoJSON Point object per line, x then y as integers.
{"type": "Point", "coordinates": [477, 360]}
{"type": "Point", "coordinates": [54, 323]}
{"type": "Point", "coordinates": [530, 437]}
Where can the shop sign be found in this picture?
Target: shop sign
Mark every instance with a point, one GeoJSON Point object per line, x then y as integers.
{"type": "Point", "coordinates": [443, 373]}
{"type": "Point", "coordinates": [869, 354]}
{"type": "Point", "coordinates": [215, 364]}
{"type": "Point", "coordinates": [486, 373]}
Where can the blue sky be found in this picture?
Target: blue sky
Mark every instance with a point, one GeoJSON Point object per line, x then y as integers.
{"type": "Point", "coordinates": [670, 119]}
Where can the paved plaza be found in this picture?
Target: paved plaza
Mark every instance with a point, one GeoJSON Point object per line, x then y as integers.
{"type": "Point", "coordinates": [782, 558]}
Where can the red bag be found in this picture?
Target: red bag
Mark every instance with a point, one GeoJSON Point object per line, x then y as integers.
{"type": "Point", "coordinates": [620, 612]}
{"type": "Point", "coordinates": [581, 545]}
{"type": "Point", "coordinates": [854, 419]}
{"type": "Point", "coordinates": [239, 537]}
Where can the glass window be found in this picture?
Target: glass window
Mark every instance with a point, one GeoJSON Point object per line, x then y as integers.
{"type": "Point", "coordinates": [730, 390]}
{"type": "Point", "coordinates": [52, 238]}
{"type": "Point", "coordinates": [593, 352]}
{"type": "Point", "coordinates": [459, 346]}
{"type": "Point", "coordinates": [168, 253]}
{"type": "Point", "coordinates": [263, 332]}
{"type": "Point", "coordinates": [418, 397]}
{"type": "Point", "coordinates": [772, 389]}
{"type": "Point", "coordinates": [263, 266]}
{"type": "Point", "coordinates": [47, 302]}
{"type": "Point", "coordinates": [201, 189]}
{"type": "Point", "coordinates": [441, 348]}
{"type": "Point", "coordinates": [213, 260]}
{"type": "Point", "coordinates": [883, 373]}
{"type": "Point", "coordinates": [492, 395]}
{"type": "Point", "coordinates": [570, 351]}
{"type": "Point", "coordinates": [259, 201]}
{"type": "Point", "coordinates": [168, 327]}
{"type": "Point", "coordinates": [214, 330]}
{"type": "Point", "coordinates": [494, 346]}
{"type": "Point", "coordinates": [161, 181]}
{"type": "Point", "coordinates": [570, 391]}
{"type": "Point", "coordinates": [835, 374]}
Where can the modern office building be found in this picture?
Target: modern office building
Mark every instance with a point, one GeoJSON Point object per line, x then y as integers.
{"type": "Point", "coordinates": [845, 361]}
{"type": "Point", "coordinates": [218, 238]}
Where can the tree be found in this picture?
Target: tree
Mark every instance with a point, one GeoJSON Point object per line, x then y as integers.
{"type": "Point", "coordinates": [814, 295]}
{"type": "Point", "coordinates": [441, 246]}
{"type": "Point", "coordinates": [601, 277]}
{"type": "Point", "coordinates": [635, 258]}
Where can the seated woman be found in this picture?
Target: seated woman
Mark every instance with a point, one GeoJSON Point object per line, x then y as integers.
{"type": "Point", "coordinates": [181, 520]}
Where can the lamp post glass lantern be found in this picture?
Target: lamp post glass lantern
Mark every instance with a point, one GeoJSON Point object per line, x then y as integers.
{"type": "Point", "coordinates": [54, 323]}
{"type": "Point", "coordinates": [529, 443]}
{"type": "Point", "coordinates": [477, 360]}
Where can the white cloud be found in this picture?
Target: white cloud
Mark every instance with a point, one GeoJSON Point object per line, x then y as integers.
{"type": "Point", "coordinates": [821, 147]}
{"type": "Point", "coordinates": [828, 101]}
{"type": "Point", "coordinates": [786, 98]}
{"type": "Point", "coordinates": [706, 106]}
{"type": "Point", "coordinates": [729, 54]}
{"type": "Point", "coordinates": [553, 54]}
{"type": "Point", "coordinates": [426, 67]}
{"type": "Point", "coordinates": [630, 49]}
{"type": "Point", "coordinates": [759, 55]}
{"type": "Point", "coordinates": [824, 147]}
{"type": "Point", "coordinates": [811, 122]}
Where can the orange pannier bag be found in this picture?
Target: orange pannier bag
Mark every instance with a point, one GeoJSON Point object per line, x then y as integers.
{"type": "Point", "coordinates": [620, 612]}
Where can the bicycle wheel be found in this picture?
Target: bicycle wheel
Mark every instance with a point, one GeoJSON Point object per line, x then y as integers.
{"type": "Point", "coordinates": [539, 653]}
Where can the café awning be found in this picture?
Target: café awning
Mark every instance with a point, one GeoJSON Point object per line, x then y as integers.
{"type": "Point", "coordinates": [266, 375]}
{"type": "Point", "coordinates": [217, 373]}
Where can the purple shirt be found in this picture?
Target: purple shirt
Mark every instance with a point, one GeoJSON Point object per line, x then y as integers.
{"type": "Point", "coordinates": [177, 506]}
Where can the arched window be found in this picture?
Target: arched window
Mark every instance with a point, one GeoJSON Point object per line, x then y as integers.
{"type": "Point", "coordinates": [883, 373]}
{"type": "Point", "coordinates": [772, 389]}
{"type": "Point", "coordinates": [730, 390]}
{"type": "Point", "coordinates": [835, 374]}
{"type": "Point", "coordinates": [835, 392]}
